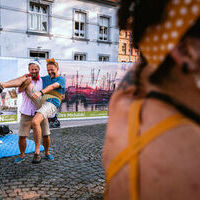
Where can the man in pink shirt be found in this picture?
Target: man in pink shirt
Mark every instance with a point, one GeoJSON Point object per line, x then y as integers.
{"type": "Point", "coordinates": [27, 111]}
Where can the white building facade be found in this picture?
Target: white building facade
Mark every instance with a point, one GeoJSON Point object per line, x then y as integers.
{"type": "Point", "coordinates": [63, 29]}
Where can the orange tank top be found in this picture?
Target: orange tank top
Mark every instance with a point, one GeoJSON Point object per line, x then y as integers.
{"type": "Point", "coordinates": [136, 143]}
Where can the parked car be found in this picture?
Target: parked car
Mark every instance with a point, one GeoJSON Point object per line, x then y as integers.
{"type": "Point", "coordinates": [87, 95]}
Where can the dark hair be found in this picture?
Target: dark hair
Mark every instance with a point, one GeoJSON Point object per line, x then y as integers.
{"type": "Point", "coordinates": [146, 13]}
{"type": "Point", "coordinates": [194, 30]}
{"type": "Point", "coordinates": [52, 63]}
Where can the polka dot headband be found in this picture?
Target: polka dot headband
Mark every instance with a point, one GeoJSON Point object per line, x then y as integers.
{"type": "Point", "coordinates": [160, 39]}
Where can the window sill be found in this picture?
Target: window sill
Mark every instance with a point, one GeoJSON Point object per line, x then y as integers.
{"type": "Point", "coordinates": [39, 33]}
{"type": "Point", "coordinates": [51, 1]}
{"type": "Point", "coordinates": [123, 54]}
{"type": "Point", "coordinates": [79, 60]}
{"type": "Point", "coordinates": [80, 39]}
{"type": "Point", "coordinates": [105, 42]}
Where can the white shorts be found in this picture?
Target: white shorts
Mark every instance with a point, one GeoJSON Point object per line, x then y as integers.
{"type": "Point", "coordinates": [47, 109]}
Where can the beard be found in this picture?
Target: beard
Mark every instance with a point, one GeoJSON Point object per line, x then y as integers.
{"type": "Point", "coordinates": [34, 75]}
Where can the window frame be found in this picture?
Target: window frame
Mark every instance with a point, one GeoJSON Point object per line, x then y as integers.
{"type": "Point", "coordinates": [126, 34]}
{"type": "Point", "coordinates": [136, 54]}
{"type": "Point", "coordinates": [104, 55]}
{"type": "Point", "coordinates": [85, 25]}
{"type": "Point", "coordinates": [124, 52]}
{"type": "Point", "coordinates": [108, 28]}
{"type": "Point", "coordinates": [39, 51]}
{"type": "Point", "coordinates": [48, 5]}
{"type": "Point", "coordinates": [79, 54]}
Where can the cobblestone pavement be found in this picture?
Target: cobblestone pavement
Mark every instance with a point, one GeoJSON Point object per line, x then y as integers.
{"type": "Point", "coordinates": [76, 172]}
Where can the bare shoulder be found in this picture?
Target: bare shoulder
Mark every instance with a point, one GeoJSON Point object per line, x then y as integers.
{"type": "Point", "coordinates": [170, 165]}
{"type": "Point", "coordinates": [116, 138]}
{"type": "Point", "coordinates": [116, 132]}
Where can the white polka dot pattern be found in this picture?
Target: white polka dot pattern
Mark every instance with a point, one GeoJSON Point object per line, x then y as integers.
{"type": "Point", "coordinates": [160, 39]}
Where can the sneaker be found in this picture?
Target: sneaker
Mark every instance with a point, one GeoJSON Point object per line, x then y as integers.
{"type": "Point", "coordinates": [19, 160]}
{"type": "Point", "coordinates": [49, 157]}
{"type": "Point", "coordinates": [36, 159]}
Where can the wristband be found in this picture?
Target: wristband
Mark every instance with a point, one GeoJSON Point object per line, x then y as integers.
{"type": "Point", "coordinates": [41, 92]}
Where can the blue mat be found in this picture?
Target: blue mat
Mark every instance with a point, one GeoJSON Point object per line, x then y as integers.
{"type": "Point", "coordinates": [10, 147]}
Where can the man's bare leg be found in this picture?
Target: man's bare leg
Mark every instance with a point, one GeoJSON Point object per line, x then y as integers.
{"type": "Point", "coordinates": [22, 146]}
{"type": "Point", "coordinates": [15, 82]}
{"type": "Point", "coordinates": [37, 133]}
{"type": "Point", "coordinates": [29, 89]}
{"type": "Point", "coordinates": [25, 85]}
{"type": "Point", "coordinates": [46, 144]}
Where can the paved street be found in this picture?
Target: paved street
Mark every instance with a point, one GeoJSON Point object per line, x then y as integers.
{"type": "Point", "coordinates": [76, 172]}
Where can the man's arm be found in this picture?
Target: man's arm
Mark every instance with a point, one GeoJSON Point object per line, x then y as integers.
{"type": "Point", "coordinates": [50, 88]}
{"type": "Point", "coordinates": [24, 85]}
{"type": "Point", "coordinates": [46, 90]}
{"type": "Point", "coordinates": [14, 82]}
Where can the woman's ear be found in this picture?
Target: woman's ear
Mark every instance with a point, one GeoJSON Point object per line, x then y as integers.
{"type": "Point", "coordinates": [177, 56]}
{"type": "Point", "coordinates": [185, 56]}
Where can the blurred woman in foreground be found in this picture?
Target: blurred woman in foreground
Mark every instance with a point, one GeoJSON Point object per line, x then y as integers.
{"type": "Point", "coordinates": [152, 143]}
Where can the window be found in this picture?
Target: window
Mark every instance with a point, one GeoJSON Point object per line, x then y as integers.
{"type": "Point", "coordinates": [126, 34]}
{"type": "Point", "coordinates": [39, 54]}
{"type": "Point", "coordinates": [38, 17]}
{"type": "Point", "coordinates": [137, 52]}
{"type": "Point", "coordinates": [103, 28]}
{"type": "Point", "coordinates": [79, 24]}
{"type": "Point", "coordinates": [80, 56]}
{"type": "Point", "coordinates": [123, 48]}
{"type": "Point", "coordinates": [104, 58]}
{"type": "Point", "coordinates": [136, 55]}
{"type": "Point", "coordinates": [131, 51]}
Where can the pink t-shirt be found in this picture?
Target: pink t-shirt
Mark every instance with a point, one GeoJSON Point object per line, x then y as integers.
{"type": "Point", "coordinates": [28, 107]}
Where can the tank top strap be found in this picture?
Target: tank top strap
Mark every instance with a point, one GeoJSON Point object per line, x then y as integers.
{"type": "Point", "coordinates": [133, 122]}
{"type": "Point", "coordinates": [134, 125]}
{"type": "Point", "coordinates": [142, 141]}
{"type": "Point", "coordinates": [136, 143]}
{"type": "Point", "coordinates": [119, 160]}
